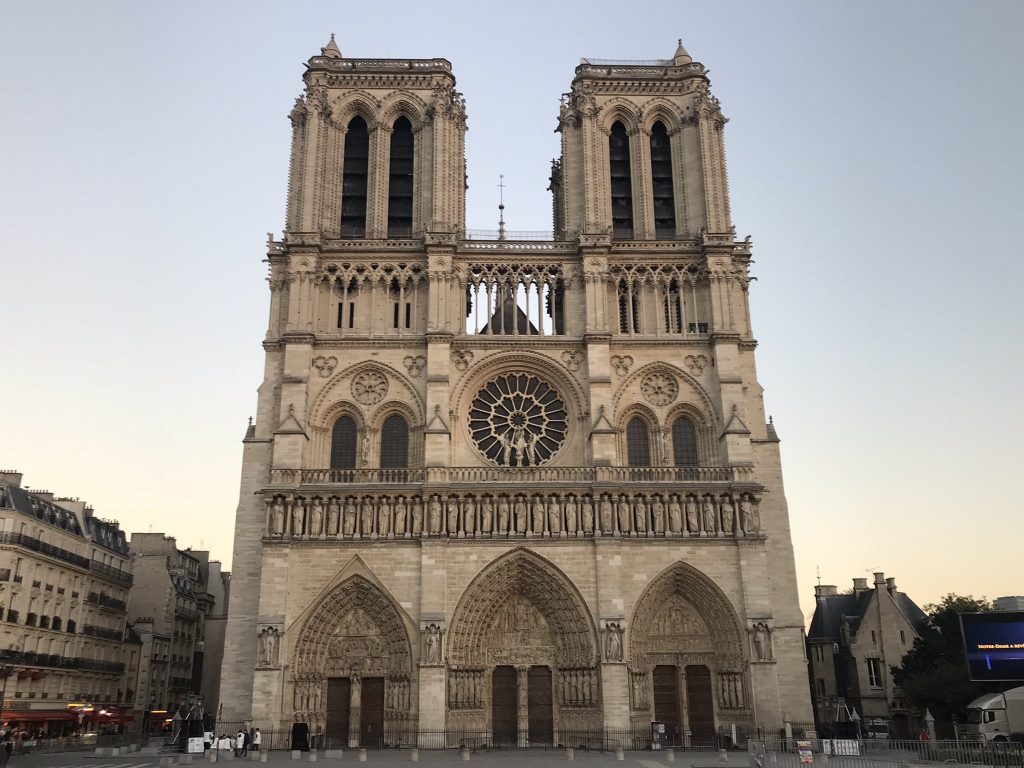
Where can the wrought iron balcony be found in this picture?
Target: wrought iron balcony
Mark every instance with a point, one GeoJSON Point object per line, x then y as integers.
{"type": "Point", "coordinates": [105, 601]}
{"type": "Point", "coordinates": [103, 632]}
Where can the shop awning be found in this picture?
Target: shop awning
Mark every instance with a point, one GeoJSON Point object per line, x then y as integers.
{"type": "Point", "coordinates": [37, 715]}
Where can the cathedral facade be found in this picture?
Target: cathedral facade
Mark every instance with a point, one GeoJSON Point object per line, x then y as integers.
{"type": "Point", "coordinates": [511, 487]}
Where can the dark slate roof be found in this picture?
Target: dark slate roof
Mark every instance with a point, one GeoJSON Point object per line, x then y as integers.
{"type": "Point", "coordinates": [41, 510]}
{"type": "Point", "coordinates": [831, 610]}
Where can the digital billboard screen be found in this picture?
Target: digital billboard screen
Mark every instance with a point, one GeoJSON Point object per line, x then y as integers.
{"type": "Point", "coordinates": [994, 644]}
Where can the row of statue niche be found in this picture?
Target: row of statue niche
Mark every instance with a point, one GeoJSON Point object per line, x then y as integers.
{"type": "Point", "coordinates": [267, 647]}
{"type": "Point", "coordinates": [730, 690]}
{"type": "Point", "coordinates": [465, 689]}
{"type": "Point", "coordinates": [579, 687]}
{"type": "Point", "coordinates": [514, 515]}
{"type": "Point", "coordinates": [308, 696]}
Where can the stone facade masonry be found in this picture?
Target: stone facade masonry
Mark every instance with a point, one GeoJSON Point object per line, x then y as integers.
{"type": "Point", "coordinates": [515, 488]}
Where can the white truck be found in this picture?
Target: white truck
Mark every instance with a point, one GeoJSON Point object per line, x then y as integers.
{"type": "Point", "coordinates": [996, 717]}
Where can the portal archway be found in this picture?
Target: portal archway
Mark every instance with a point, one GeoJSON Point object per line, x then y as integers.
{"type": "Point", "coordinates": [522, 653]}
{"type": "Point", "coordinates": [686, 657]}
{"type": "Point", "coordinates": [352, 666]}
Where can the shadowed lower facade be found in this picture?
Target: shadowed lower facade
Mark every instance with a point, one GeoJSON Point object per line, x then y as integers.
{"type": "Point", "coordinates": [503, 485]}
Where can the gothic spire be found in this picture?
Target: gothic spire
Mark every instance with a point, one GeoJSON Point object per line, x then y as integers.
{"type": "Point", "coordinates": [681, 56]}
{"type": "Point", "coordinates": [331, 50]}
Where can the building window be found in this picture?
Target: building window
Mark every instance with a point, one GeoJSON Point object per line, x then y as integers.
{"type": "Point", "coordinates": [343, 444]}
{"type": "Point", "coordinates": [673, 308]}
{"type": "Point", "coordinates": [638, 444]}
{"type": "Point", "coordinates": [874, 672]}
{"type": "Point", "coordinates": [874, 638]}
{"type": "Point", "coordinates": [354, 179]}
{"type": "Point", "coordinates": [629, 307]}
{"type": "Point", "coordinates": [684, 443]}
{"type": "Point", "coordinates": [821, 687]}
{"type": "Point", "coordinates": [621, 182]}
{"type": "Point", "coordinates": [819, 653]}
{"type": "Point", "coordinates": [400, 180]}
{"type": "Point", "coordinates": [903, 637]}
{"type": "Point", "coordinates": [661, 179]}
{"type": "Point", "coordinates": [394, 443]}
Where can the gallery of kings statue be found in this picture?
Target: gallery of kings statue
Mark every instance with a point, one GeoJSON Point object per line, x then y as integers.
{"type": "Point", "coordinates": [504, 484]}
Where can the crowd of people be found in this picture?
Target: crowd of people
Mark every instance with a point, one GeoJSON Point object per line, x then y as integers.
{"type": "Point", "coordinates": [242, 743]}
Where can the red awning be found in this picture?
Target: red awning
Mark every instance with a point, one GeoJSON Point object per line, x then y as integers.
{"type": "Point", "coordinates": [36, 715]}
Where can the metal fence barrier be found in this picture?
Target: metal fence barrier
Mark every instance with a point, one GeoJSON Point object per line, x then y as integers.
{"type": "Point", "coordinates": [880, 753]}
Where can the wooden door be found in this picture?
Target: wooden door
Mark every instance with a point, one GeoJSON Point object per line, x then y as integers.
{"type": "Point", "coordinates": [504, 707]}
{"type": "Point", "coordinates": [666, 701]}
{"type": "Point", "coordinates": [540, 718]}
{"type": "Point", "coordinates": [700, 707]}
{"type": "Point", "coordinates": [371, 713]}
{"type": "Point", "coordinates": [339, 711]}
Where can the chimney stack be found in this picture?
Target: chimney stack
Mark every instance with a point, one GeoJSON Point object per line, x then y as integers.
{"type": "Point", "coordinates": [825, 590]}
{"type": "Point", "coordinates": [11, 477]}
{"type": "Point", "coordinates": [879, 580]}
{"type": "Point", "coordinates": [890, 584]}
{"type": "Point", "coordinates": [860, 585]}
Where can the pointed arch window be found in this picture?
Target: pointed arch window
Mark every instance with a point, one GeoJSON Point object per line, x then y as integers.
{"type": "Point", "coordinates": [394, 443]}
{"type": "Point", "coordinates": [400, 180]}
{"type": "Point", "coordinates": [629, 307]}
{"type": "Point", "coordinates": [354, 179]}
{"type": "Point", "coordinates": [661, 181]}
{"type": "Point", "coordinates": [621, 182]}
{"type": "Point", "coordinates": [343, 443]}
{"type": "Point", "coordinates": [638, 443]}
{"type": "Point", "coordinates": [684, 443]}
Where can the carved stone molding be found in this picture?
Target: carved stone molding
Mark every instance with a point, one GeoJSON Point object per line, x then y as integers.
{"type": "Point", "coordinates": [414, 364]}
{"type": "Point", "coordinates": [696, 363]}
{"type": "Point", "coordinates": [325, 365]}
{"type": "Point", "coordinates": [369, 387]}
{"type": "Point", "coordinates": [461, 359]}
{"type": "Point", "coordinates": [659, 388]}
{"type": "Point", "coordinates": [572, 360]}
{"type": "Point", "coordinates": [621, 363]}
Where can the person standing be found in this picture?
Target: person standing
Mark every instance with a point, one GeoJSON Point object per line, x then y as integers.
{"type": "Point", "coordinates": [240, 744]}
{"type": "Point", "coordinates": [257, 738]}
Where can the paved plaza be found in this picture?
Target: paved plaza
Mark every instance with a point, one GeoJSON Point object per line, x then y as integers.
{"type": "Point", "coordinates": [507, 759]}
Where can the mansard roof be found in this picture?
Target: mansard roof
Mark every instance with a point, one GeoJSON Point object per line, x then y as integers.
{"type": "Point", "coordinates": [833, 611]}
{"type": "Point", "coordinates": [39, 509]}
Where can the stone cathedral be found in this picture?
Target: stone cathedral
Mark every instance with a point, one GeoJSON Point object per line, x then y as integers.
{"type": "Point", "coordinates": [515, 487]}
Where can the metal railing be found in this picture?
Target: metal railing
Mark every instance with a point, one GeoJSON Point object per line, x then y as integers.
{"type": "Point", "coordinates": [105, 633]}
{"type": "Point", "coordinates": [402, 737]}
{"type": "Point", "coordinates": [30, 542]}
{"type": "Point", "coordinates": [123, 577]}
{"type": "Point", "coordinates": [105, 601]}
{"type": "Point", "coordinates": [780, 752]}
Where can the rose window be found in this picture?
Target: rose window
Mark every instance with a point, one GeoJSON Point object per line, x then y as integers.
{"type": "Point", "coordinates": [517, 420]}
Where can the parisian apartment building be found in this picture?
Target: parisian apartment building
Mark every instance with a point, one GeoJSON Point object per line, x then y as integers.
{"type": "Point", "coordinates": [98, 633]}
{"type": "Point", "coordinates": [177, 592]}
{"type": "Point", "coordinates": [854, 640]}
{"type": "Point", "coordinates": [65, 577]}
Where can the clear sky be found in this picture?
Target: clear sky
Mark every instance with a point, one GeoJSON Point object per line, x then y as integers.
{"type": "Point", "coordinates": [875, 156]}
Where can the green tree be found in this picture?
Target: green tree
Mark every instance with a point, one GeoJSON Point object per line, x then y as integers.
{"type": "Point", "coordinates": [933, 674]}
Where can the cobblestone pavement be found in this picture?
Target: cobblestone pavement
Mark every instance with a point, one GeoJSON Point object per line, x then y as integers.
{"type": "Point", "coordinates": [403, 757]}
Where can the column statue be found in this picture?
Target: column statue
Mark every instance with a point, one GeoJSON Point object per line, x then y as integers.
{"type": "Point", "coordinates": [607, 515]}
{"type": "Point", "coordinates": [728, 515]}
{"type": "Point", "coordinates": [350, 517]}
{"type": "Point", "coordinates": [333, 516]}
{"type": "Point", "coordinates": [384, 516]}
{"type": "Point", "coordinates": [624, 514]}
{"type": "Point", "coordinates": [692, 520]}
{"type": "Point", "coordinates": [587, 514]}
{"type": "Point", "coordinates": [401, 516]}
{"type": "Point", "coordinates": [487, 515]}
{"type": "Point", "coordinates": [316, 517]}
{"type": "Point", "coordinates": [675, 515]}
{"type": "Point", "coordinates": [571, 515]}
{"type": "Point", "coordinates": [417, 515]}
{"type": "Point", "coordinates": [658, 515]}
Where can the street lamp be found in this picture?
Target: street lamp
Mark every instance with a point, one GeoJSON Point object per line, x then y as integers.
{"type": "Point", "coordinates": [6, 670]}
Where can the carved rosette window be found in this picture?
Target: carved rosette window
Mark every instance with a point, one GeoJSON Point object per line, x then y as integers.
{"type": "Point", "coordinates": [517, 420]}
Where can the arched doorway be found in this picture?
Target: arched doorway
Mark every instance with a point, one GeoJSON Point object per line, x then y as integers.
{"type": "Point", "coordinates": [352, 668]}
{"type": "Point", "coordinates": [686, 658]}
{"type": "Point", "coordinates": [522, 655]}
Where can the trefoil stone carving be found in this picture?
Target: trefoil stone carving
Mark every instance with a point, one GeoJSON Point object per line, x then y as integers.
{"type": "Point", "coordinates": [325, 365]}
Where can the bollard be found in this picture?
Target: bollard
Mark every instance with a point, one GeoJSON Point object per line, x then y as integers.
{"type": "Point", "coordinates": [619, 755]}
{"type": "Point", "coordinates": [311, 756]}
{"type": "Point", "coordinates": [165, 762]}
{"type": "Point", "coordinates": [263, 756]}
{"type": "Point", "coordinates": [296, 754]}
{"type": "Point", "coordinates": [670, 755]}
{"type": "Point", "coordinates": [723, 756]}
{"type": "Point", "coordinates": [362, 755]}
{"type": "Point", "coordinates": [570, 753]}
{"type": "Point", "coordinates": [465, 754]}
{"type": "Point", "coordinates": [414, 756]}
{"type": "Point", "coordinates": [184, 759]}
{"type": "Point", "coordinates": [211, 756]}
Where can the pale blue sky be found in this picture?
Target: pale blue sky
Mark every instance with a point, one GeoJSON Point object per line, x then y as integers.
{"type": "Point", "coordinates": [875, 156]}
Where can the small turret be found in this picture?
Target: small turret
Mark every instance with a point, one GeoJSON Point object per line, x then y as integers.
{"type": "Point", "coordinates": [681, 56]}
{"type": "Point", "coordinates": [331, 50]}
